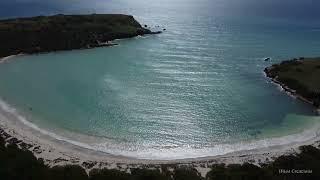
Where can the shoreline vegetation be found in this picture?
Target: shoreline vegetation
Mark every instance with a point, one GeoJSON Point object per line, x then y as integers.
{"type": "Point", "coordinates": [66, 32]}
{"type": "Point", "coordinates": [299, 77]}
{"type": "Point", "coordinates": [18, 162]}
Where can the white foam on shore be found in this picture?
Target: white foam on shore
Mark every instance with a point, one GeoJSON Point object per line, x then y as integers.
{"type": "Point", "coordinates": [12, 111]}
{"type": "Point", "coordinates": [177, 153]}
{"type": "Point", "coordinates": [4, 59]}
{"type": "Point", "coordinates": [174, 153]}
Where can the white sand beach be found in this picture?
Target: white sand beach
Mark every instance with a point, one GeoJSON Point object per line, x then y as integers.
{"type": "Point", "coordinates": [15, 129]}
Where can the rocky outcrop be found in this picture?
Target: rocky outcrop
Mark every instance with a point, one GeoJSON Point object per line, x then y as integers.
{"type": "Point", "coordinates": [299, 77]}
{"type": "Point", "coordinates": [65, 32]}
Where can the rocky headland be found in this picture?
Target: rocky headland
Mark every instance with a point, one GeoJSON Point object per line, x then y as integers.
{"type": "Point", "coordinates": [300, 77]}
{"type": "Point", "coordinates": [65, 32]}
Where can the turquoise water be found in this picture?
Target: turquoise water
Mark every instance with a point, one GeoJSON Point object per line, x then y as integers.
{"type": "Point", "coordinates": [184, 93]}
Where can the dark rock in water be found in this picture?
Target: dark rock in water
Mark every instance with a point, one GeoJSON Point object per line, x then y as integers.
{"type": "Point", "coordinates": [101, 45]}
{"type": "Point", "coordinates": [145, 26]}
{"type": "Point", "coordinates": [156, 32]}
{"type": "Point", "coordinates": [267, 59]}
{"type": "Point", "coordinates": [164, 29]}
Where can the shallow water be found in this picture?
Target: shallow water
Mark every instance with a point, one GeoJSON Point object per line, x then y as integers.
{"type": "Point", "coordinates": [183, 93]}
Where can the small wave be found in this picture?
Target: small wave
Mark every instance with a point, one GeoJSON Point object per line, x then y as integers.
{"type": "Point", "coordinates": [186, 152]}
{"type": "Point", "coordinates": [172, 152]}
{"type": "Point", "coordinates": [8, 109]}
{"type": "Point", "coordinates": [4, 59]}
{"type": "Point", "coordinates": [141, 37]}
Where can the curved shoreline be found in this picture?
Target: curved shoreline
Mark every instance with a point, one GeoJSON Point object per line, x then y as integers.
{"type": "Point", "coordinates": [7, 58]}
{"type": "Point", "coordinates": [57, 151]}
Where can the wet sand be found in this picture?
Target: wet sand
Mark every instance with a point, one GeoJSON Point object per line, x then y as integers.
{"type": "Point", "coordinates": [54, 151]}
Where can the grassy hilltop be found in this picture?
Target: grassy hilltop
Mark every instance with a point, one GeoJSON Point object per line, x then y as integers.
{"type": "Point", "coordinates": [64, 32]}
{"type": "Point", "coordinates": [302, 76]}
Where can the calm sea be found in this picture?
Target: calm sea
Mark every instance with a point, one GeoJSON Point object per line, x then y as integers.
{"type": "Point", "coordinates": [196, 90]}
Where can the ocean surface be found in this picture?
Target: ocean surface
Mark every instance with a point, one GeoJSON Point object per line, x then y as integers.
{"type": "Point", "coordinates": [196, 90]}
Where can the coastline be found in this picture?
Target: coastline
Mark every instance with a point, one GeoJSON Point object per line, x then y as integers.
{"type": "Point", "coordinates": [81, 32]}
{"type": "Point", "coordinates": [292, 92]}
{"type": "Point", "coordinates": [56, 151]}
{"type": "Point", "coordinates": [7, 58]}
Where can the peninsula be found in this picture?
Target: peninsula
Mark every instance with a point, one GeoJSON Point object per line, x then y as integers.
{"type": "Point", "coordinates": [299, 77]}
{"type": "Point", "coordinates": [65, 32]}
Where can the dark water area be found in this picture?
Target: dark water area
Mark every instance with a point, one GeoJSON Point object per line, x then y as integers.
{"type": "Point", "coordinates": [306, 9]}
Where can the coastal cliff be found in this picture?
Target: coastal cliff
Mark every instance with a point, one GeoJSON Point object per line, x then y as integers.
{"type": "Point", "coordinates": [299, 77]}
{"type": "Point", "coordinates": [65, 32]}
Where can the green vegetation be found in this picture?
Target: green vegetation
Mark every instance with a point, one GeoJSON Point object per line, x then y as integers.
{"type": "Point", "coordinates": [64, 32]}
{"type": "Point", "coordinates": [17, 164]}
{"type": "Point", "coordinates": [301, 75]}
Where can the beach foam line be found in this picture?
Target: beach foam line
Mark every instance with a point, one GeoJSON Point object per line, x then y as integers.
{"type": "Point", "coordinates": [179, 153]}
{"type": "Point", "coordinates": [4, 59]}
{"type": "Point", "coordinates": [187, 152]}
{"type": "Point", "coordinates": [8, 109]}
